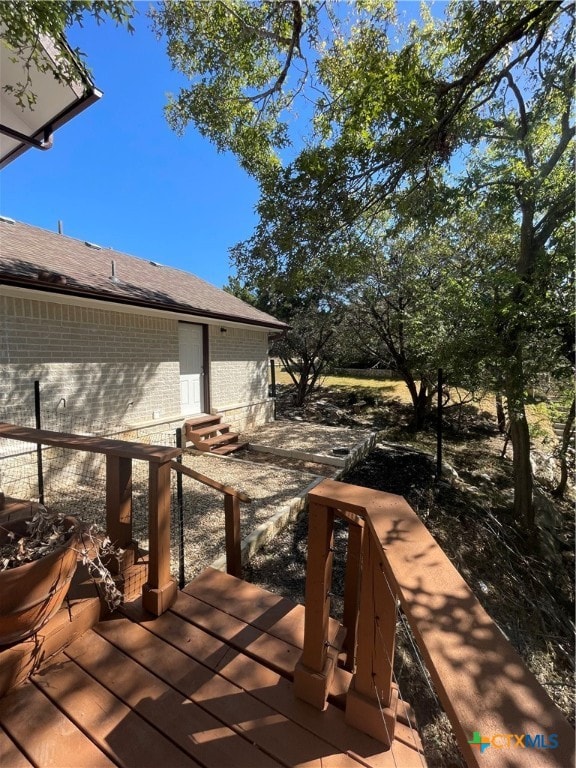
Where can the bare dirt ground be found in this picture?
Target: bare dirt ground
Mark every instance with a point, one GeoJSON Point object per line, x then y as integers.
{"type": "Point", "coordinates": [527, 588]}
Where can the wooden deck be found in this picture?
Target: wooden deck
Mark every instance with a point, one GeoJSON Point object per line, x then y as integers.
{"type": "Point", "coordinates": [207, 683]}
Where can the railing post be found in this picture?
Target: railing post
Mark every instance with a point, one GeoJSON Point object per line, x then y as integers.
{"type": "Point", "coordinates": [372, 701]}
{"type": "Point", "coordinates": [352, 590]}
{"type": "Point", "coordinates": [159, 592]}
{"type": "Point", "coordinates": [315, 670]}
{"type": "Point", "coordinates": [119, 507]}
{"type": "Point", "coordinates": [232, 528]}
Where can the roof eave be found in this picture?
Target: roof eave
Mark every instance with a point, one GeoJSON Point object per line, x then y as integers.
{"type": "Point", "coordinates": [127, 301]}
{"type": "Point", "coordinates": [89, 97]}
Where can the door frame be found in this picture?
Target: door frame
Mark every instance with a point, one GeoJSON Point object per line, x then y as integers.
{"type": "Point", "coordinates": [206, 367]}
{"type": "Point", "coordinates": [205, 378]}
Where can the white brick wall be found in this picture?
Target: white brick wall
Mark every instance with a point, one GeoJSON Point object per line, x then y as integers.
{"type": "Point", "coordinates": [95, 366]}
{"type": "Point", "coordinates": [115, 373]}
{"type": "Point", "coordinates": [239, 376]}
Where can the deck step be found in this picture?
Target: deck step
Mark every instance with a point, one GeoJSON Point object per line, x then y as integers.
{"type": "Point", "coordinates": [224, 450]}
{"type": "Point", "coordinates": [202, 421]}
{"type": "Point", "coordinates": [214, 442]}
{"type": "Point", "coordinates": [247, 605]}
{"type": "Point", "coordinates": [210, 430]}
{"type": "Point", "coordinates": [210, 434]}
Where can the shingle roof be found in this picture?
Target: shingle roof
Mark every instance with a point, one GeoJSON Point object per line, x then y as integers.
{"type": "Point", "coordinates": [36, 258]}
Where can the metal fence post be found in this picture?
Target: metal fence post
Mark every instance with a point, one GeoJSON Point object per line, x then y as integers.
{"type": "Point", "coordinates": [439, 428]}
{"type": "Point", "coordinates": [273, 382]}
{"type": "Point", "coordinates": [39, 446]}
{"type": "Point", "coordinates": [180, 498]}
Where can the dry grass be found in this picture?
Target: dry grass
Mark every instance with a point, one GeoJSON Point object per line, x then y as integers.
{"type": "Point", "coordinates": [391, 388]}
{"type": "Point", "coordinates": [395, 390]}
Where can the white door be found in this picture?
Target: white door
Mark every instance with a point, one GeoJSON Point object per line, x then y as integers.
{"type": "Point", "coordinates": [191, 370]}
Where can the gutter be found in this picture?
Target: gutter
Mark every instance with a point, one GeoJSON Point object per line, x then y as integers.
{"type": "Point", "coordinates": [42, 138]}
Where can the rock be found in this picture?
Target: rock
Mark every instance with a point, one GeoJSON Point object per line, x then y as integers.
{"type": "Point", "coordinates": [481, 476]}
{"type": "Point", "coordinates": [546, 512]}
{"type": "Point", "coordinates": [543, 467]}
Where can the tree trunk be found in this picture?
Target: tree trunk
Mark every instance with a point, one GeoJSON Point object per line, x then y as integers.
{"type": "Point", "coordinates": [419, 398]}
{"type": "Point", "coordinates": [566, 435]}
{"type": "Point", "coordinates": [523, 480]}
{"type": "Point", "coordinates": [500, 414]}
{"type": "Point", "coordinates": [520, 437]}
{"type": "Point", "coordinates": [422, 407]}
{"type": "Point", "coordinates": [302, 386]}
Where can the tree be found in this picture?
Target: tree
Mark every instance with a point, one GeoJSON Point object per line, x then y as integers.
{"type": "Point", "coordinates": [308, 347]}
{"type": "Point", "coordinates": [390, 304]}
{"type": "Point", "coordinates": [252, 65]}
{"type": "Point", "coordinates": [24, 25]}
{"type": "Point", "coordinates": [294, 292]}
{"type": "Point", "coordinates": [239, 57]}
{"type": "Point", "coordinates": [525, 178]}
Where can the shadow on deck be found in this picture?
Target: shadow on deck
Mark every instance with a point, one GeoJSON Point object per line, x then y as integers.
{"type": "Point", "coordinates": [207, 683]}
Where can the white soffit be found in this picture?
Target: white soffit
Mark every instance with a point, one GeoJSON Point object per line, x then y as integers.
{"type": "Point", "coordinates": [56, 102]}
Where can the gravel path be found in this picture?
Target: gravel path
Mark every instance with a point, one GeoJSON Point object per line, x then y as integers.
{"type": "Point", "coordinates": [272, 483]}
{"type": "Point", "coordinates": [269, 486]}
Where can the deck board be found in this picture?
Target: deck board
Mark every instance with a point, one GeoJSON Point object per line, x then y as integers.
{"type": "Point", "coordinates": [10, 755]}
{"type": "Point", "coordinates": [280, 619]}
{"type": "Point", "coordinates": [197, 686]}
{"type": "Point", "coordinates": [195, 731]}
{"type": "Point", "coordinates": [115, 728]}
{"type": "Point", "coordinates": [45, 734]}
{"type": "Point", "coordinates": [274, 733]}
{"type": "Point", "coordinates": [270, 613]}
{"type": "Point", "coordinates": [282, 656]}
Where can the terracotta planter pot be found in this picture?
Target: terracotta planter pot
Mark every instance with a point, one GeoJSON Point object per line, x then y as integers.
{"type": "Point", "coordinates": [32, 593]}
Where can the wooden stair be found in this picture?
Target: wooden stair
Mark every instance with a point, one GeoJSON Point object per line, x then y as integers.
{"type": "Point", "coordinates": [210, 434]}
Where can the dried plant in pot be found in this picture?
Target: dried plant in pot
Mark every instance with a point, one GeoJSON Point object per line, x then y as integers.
{"type": "Point", "coordinates": [38, 558]}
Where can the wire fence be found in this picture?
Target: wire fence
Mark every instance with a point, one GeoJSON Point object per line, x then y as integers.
{"type": "Point", "coordinates": [74, 482]}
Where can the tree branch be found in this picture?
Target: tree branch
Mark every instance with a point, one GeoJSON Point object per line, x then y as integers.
{"type": "Point", "coordinates": [561, 208]}
{"type": "Point", "coordinates": [265, 34]}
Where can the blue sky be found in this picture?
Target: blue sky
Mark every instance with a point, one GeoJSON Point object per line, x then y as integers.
{"type": "Point", "coordinates": [118, 176]}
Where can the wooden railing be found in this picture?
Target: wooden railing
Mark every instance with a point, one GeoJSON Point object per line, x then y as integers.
{"type": "Point", "coordinates": [482, 683]}
{"type": "Point", "coordinates": [232, 499]}
{"type": "Point", "coordinates": [160, 589]}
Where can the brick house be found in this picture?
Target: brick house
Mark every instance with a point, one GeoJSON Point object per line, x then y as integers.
{"type": "Point", "coordinates": [122, 345]}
